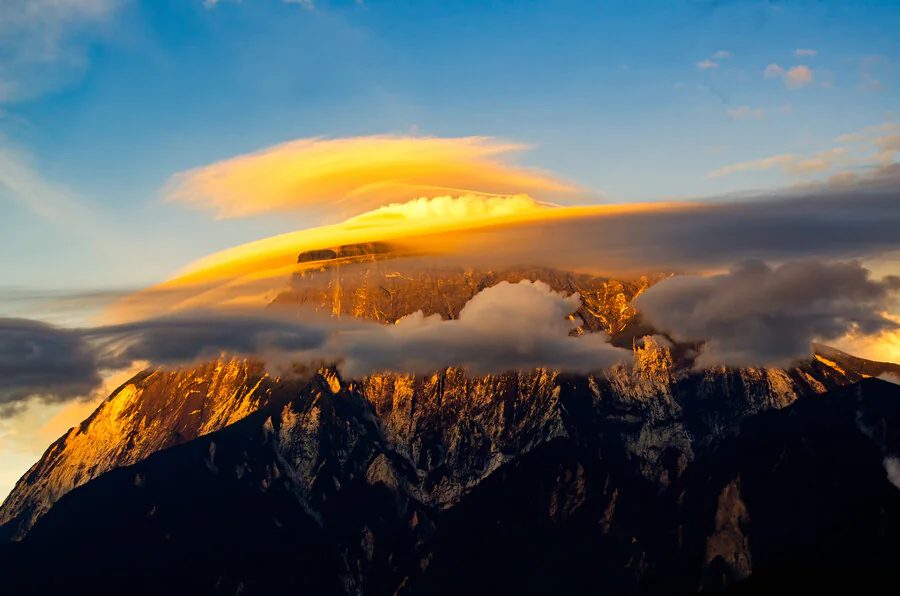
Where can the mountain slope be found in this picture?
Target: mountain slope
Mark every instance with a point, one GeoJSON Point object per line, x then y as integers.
{"type": "Point", "coordinates": [311, 499]}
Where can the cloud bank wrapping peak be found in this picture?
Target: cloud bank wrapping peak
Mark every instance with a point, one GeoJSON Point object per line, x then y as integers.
{"type": "Point", "coordinates": [506, 327]}
{"type": "Point", "coordinates": [345, 177]}
{"type": "Point", "coordinates": [759, 315]}
{"type": "Point", "coordinates": [856, 217]}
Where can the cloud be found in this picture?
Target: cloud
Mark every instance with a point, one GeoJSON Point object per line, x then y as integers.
{"type": "Point", "coordinates": [892, 467]}
{"type": "Point", "coordinates": [44, 43]}
{"type": "Point", "coordinates": [745, 112]}
{"type": "Point", "coordinates": [753, 166]}
{"type": "Point", "coordinates": [723, 54]}
{"type": "Point", "coordinates": [820, 162]}
{"type": "Point", "coordinates": [798, 77]}
{"type": "Point", "coordinates": [868, 133]}
{"type": "Point", "coordinates": [890, 378]}
{"type": "Point", "coordinates": [845, 219]}
{"type": "Point", "coordinates": [760, 315]}
{"type": "Point", "coordinates": [797, 165]}
{"type": "Point", "coordinates": [888, 143]}
{"type": "Point", "coordinates": [354, 175]}
{"type": "Point", "coordinates": [773, 71]}
{"type": "Point", "coordinates": [794, 78]}
{"type": "Point", "coordinates": [704, 64]}
{"type": "Point", "coordinates": [37, 359]}
{"type": "Point", "coordinates": [504, 327]}
{"type": "Point", "coordinates": [806, 53]}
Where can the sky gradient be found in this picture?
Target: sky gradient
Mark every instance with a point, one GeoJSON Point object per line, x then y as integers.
{"type": "Point", "coordinates": [632, 103]}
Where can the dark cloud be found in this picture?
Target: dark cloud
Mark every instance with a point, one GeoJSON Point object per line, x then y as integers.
{"type": "Point", "coordinates": [37, 359]}
{"type": "Point", "coordinates": [759, 315]}
{"type": "Point", "coordinates": [828, 221]}
{"type": "Point", "coordinates": [192, 337]}
{"type": "Point", "coordinates": [506, 327]}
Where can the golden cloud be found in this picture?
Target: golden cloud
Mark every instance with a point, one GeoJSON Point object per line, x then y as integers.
{"type": "Point", "coordinates": [345, 177]}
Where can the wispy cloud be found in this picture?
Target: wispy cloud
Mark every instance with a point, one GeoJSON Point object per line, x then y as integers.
{"type": "Point", "coordinates": [820, 162]}
{"type": "Point", "coordinates": [745, 112]}
{"type": "Point", "coordinates": [721, 54]}
{"type": "Point", "coordinates": [868, 133]}
{"type": "Point", "coordinates": [44, 43]}
{"type": "Point", "coordinates": [755, 165]}
{"type": "Point", "coordinates": [704, 64]}
{"type": "Point", "coordinates": [806, 53]}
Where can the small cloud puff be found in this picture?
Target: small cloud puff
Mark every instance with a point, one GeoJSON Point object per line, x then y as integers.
{"type": "Point", "coordinates": [745, 112]}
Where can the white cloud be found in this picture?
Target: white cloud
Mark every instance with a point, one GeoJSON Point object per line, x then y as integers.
{"type": "Point", "coordinates": [707, 64]}
{"type": "Point", "coordinates": [794, 78]}
{"type": "Point", "coordinates": [745, 112]}
{"type": "Point", "coordinates": [723, 54]}
{"type": "Point", "coordinates": [798, 77]}
{"type": "Point", "coordinates": [892, 467]}
{"type": "Point", "coordinates": [806, 53]}
{"type": "Point", "coordinates": [773, 71]}
{"type": "Point", "coordinates": [488, 337]}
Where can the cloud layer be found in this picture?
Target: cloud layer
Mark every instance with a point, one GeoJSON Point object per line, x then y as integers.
{"type": "Point", "coordinates": [856, 217]}
{"type": "Point", "coordinates": [354, 175]}
{"type": "Point", "coordinates": [505, 327]}
{"type": "Point", "coordinates": [759, 315]}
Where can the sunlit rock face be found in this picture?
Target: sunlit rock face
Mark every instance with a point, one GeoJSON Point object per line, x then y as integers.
{"type": "Point", "coordinates": [364, 281]}
{"type": "Point", "coordinates": [153, 411]}
{"type": "Point", "coordinates": [345, 498]}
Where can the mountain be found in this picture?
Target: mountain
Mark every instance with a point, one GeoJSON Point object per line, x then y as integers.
{"type": "Point", "coordinates": [311, 498]}
{"type": "Point", "coordinates": [222, 479]}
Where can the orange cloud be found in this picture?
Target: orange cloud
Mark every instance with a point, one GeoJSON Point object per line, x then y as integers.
{"type": "Point", "coordinates": [344, 177]}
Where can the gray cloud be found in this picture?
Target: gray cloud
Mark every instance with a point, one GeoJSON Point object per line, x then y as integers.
{"type": "Point", "coordinates": [193, 337]}
{"type": "Point", "coordinates": [37, 359]}
{"type": "Point", "coordinates": [855, 219]}
{"type": "Point", "coordinates": [505, 327]}
{"type": "Point", "coordinates": [759, 315]}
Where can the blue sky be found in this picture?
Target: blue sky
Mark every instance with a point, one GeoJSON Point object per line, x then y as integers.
{"type": "Point", "coordinates": [108, 99]}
